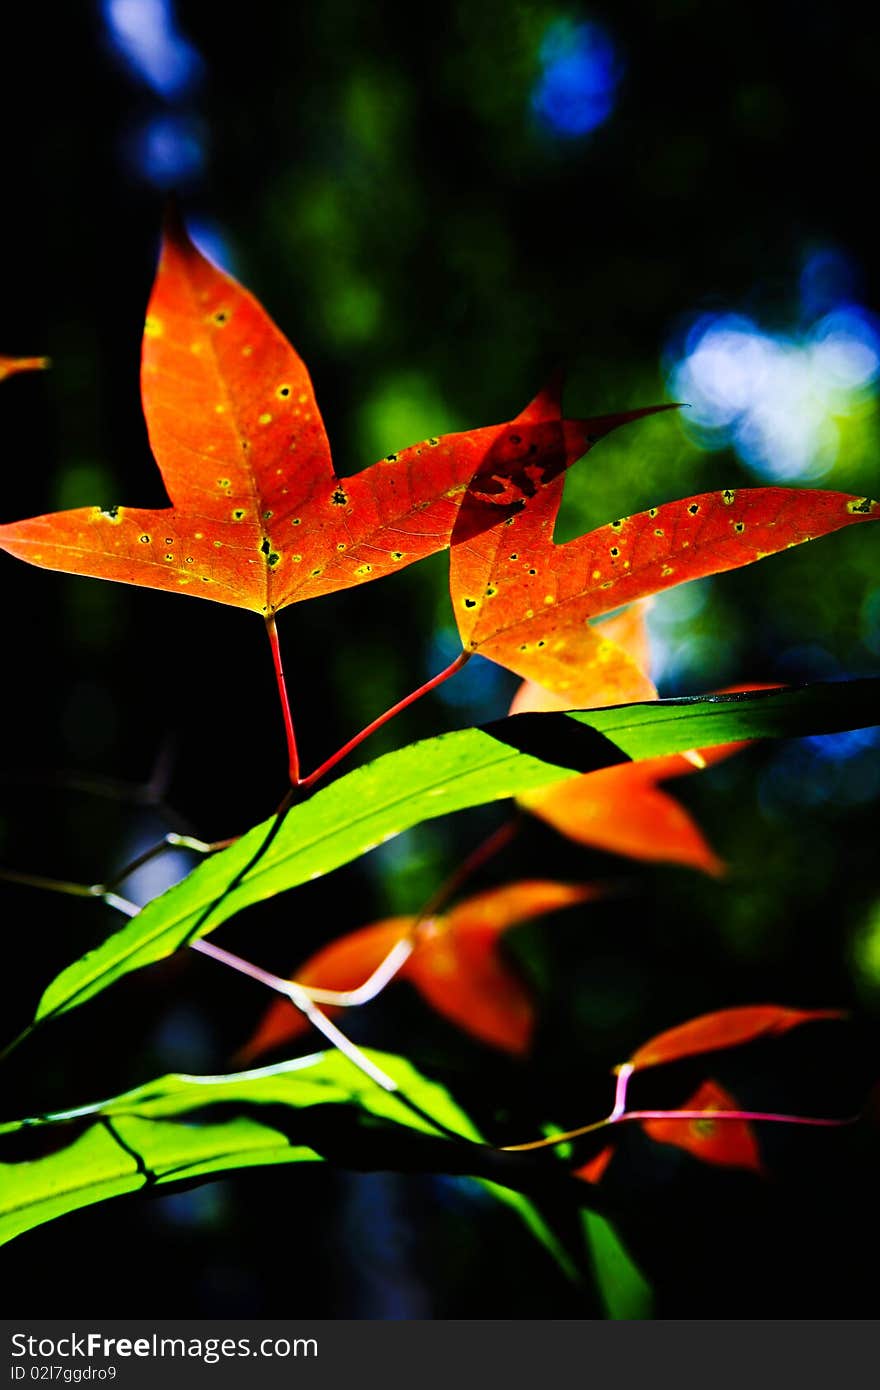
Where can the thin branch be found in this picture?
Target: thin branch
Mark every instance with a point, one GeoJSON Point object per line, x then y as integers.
{"type": "Point", "coordinates": [486, 850]}
{"type": "Point", "coordinates": [619, 1114]}
{"type": "Point", "coordinates": [401, 951]}
{"type": "Point", "coordinates": [374, 984]}
{"type": "Point", "coordinates": [54, 885]}
{"type": "Point", "coordinates": [297, 995]}
{"type": "Point", "coordinates": [384, 972]}
{"type": "Point", "coordinates": [300, 1000]}
{"type": "Point", "coordinates": [151, 793]}
{"type": "Point", "coordinates": [171, 840]}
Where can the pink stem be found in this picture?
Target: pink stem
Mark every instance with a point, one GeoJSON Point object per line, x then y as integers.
{"type": "Point", "coordinates": [401, 951]}
{"type": "Point", "coordinates": [300, 1000]}
{"type": "Point", "coordinates": [730, 1115]}
{"type": "Point", "coordinates": [623, 1075]}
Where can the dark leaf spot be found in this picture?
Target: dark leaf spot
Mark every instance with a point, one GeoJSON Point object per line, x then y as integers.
{"type": "Point", "coordinates": [861, 506]}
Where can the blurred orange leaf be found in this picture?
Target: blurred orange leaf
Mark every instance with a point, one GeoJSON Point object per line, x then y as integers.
{"type": "Point", "coordinates": [727, 1028]}
{"type": "Point", "coordinates": [9, 366]}
{"type": "Point", "coordinates": [621, 809]}
{"type": "Point", "coordinates": [727, 1143]}
{"type": "Point", "coordinates": [455, 965]}
{"type": "Point", "coordinates": [618, 809]}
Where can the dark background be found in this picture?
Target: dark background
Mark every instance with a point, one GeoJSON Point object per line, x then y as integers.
{"type": "Point", "coordinates": [434, 242]}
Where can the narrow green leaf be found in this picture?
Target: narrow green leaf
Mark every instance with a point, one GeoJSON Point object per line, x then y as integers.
{"type": "Point", "coordinates": [624, 1290]}
{"type": "Point", "coordinates": [179, 1128]}
{"type": "Point", "coordinates": [101, 1162]}
{"type": "Point", "coordinates": [432, 778]}
{"type": "Point", "coordinates": [528, 1213]}
{"type": "Point", "coordinates": [321, 1078]}
{"type": "Point", "coordinates": [827, 707]}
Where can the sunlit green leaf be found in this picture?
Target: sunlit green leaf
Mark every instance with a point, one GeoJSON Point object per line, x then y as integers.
{"type": "Point", "coordinates": [432, 778]}
{"type": "Point", "coordinates": [179, 1128]}
{"type": "Point", "coordinates": [626, 1294]}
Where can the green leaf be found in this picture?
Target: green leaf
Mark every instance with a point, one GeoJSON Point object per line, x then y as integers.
{"type": "Point", "coordinates": [528, 1213]}
{"type": "Point", "coordinates": [179, 1128]}
{"type": "Point", "coordinates": [432, 778]}
{"type": "Point", "coordinates": [624, 1291]}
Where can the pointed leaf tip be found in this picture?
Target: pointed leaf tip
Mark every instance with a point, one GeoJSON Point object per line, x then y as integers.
{"type": "Point", "coordinates": [582, 434]}
{"type": "Point", "coordinates": [594, 1170]}
{"type": "Point", "coordinates": [547, 404]}
{"type": "Point", "coordinates": [173, 225]}
{"type": "Point", "coordinates": [10, 366]}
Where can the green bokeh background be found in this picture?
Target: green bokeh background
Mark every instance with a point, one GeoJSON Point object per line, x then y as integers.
{"type": "Point", "coordinates": [382, 184]}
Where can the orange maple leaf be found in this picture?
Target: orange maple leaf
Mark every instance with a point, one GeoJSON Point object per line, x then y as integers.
{"type": "Point", "coordinates": [528, 604]}
{"type": "Point", "coordinates": [259, 518]}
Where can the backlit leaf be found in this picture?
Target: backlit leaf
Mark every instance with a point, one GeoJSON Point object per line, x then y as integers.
{"type": "Point", "coordinates": [629, 631]}
{"type": "Point", "coordinates": [527, 604]}
{"type": "Point", "coordinates": [182, 1128]}
{"type": "Point", "coordinates": [432, 778]}
{"type": "Point", "coordinates": [619, 810]}
{"type": "Point", "coordinates": [259, 518]}
{"type": "Point", "coordinates": [455, 965]}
